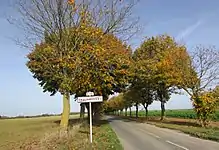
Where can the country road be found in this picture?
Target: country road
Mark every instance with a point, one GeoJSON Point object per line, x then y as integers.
{"type": "Point", "coordinates": [141, 136]}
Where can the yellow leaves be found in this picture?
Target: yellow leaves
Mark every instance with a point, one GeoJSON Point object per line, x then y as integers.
{"type": "Point", "coordinates": [205, 105]}
{"type": "Point", "coordinates": [85, 59]}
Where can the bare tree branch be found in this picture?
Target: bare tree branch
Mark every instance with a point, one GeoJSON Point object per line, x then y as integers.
{"type": "Point", "coordinates": [55, 16]}
{"type": "Point", "coordinates": [206, 64]}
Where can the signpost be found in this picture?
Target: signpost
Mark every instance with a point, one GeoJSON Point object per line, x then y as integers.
{"type": "Point", "coordinates": [90, 98]}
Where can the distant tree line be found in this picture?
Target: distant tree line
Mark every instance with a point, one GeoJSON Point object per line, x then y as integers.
{"type": "Point", "coordinates": [36, 116]}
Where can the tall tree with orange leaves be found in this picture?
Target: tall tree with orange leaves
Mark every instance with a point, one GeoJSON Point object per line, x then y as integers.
{"type": "Point", "coordinates": [100, 63]}
{"type": "Point", "coordinates": [63, 29]}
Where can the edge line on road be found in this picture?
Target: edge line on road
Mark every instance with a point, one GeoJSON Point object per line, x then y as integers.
{"type": "Point", "coordinates": [177, 145]}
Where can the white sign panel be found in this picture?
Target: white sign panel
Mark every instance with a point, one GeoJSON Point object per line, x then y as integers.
{"type": "Point", "coordinates": [90, 99]}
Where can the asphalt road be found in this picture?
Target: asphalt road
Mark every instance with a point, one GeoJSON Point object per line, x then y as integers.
{"type": "Point", "coordinates": [141, 136]}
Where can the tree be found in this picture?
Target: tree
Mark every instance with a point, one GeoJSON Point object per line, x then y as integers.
{"type": "Point", "coordinates": [61, 28]}
{"type": "Point", "coordinates": [129, 100]}
{"type": "Point", "coordinates": [128, 103]}
{"type": "Point", "coordinates": [99, 64]}
{"type": "Point", "coordinates": [205, 106]}
{"type": "Point", "coordinates": [154, 64]}
{"type": "Point", "coordinates": [132, 97]}
{"type": "Point", "coordinates": [200, 79]}
{"type": "Point", "coordinates": [144, 92]}
{"type": "Point", "coordinates": [115, 104]}
{"type": "Point", "coordinates": [216, 94]}
{"type": "Point", "coordinates": [104, 70]}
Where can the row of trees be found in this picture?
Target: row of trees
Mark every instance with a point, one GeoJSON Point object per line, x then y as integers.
{"type": "Point", "coordinates": [80, 46]}
{"type": "Point", "coordinates": [161, 67]}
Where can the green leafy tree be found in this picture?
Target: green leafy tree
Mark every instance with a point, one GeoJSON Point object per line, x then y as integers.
{"type": "Point", "coordinates": [128, 103]}
{"type": "Point", "coordinates": [144, 92]}
{"type": "Point", "coordinates": [129, 100]}
{"type": "Point", "coordinates": [132, 96]}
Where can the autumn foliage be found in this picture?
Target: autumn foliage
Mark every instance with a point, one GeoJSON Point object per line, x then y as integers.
{"type": "Point", "coordinates": [91, 61]}
{"type": "Point", "coordinates": [205, 106]}
{"type": "Point", "coordinates": [82, 51]}
{"type": "Point", "coordinates": [162, 66]}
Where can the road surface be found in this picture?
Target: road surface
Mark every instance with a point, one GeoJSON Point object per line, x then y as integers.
{"type": "Point", "coordinates": [141, 136]}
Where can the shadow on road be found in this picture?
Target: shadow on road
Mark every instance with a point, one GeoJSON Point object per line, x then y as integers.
{"type": "Point", "coordinates": [183, 122]}
{"type": "Point", "coordinates": [177, 122]}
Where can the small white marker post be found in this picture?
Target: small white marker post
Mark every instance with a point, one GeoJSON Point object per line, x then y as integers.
{"type": "Point", "coordinates": [89, 99]}
{"type": "Point", "coordinates": [90, 122]}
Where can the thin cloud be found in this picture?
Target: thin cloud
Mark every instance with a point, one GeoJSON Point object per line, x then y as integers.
{"type": "Point", "coordinates": [188, 31]}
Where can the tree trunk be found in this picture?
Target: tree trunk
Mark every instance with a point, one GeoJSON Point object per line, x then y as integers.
{"type": "Point", "coordinates": [66, 111]}
{"type": "Point", "coordinates": [146, 111]}
{"type": "Point", "coordinates": [130, 111]}
{"type": "Point", "coordinates": [82, 111]}
{"type": "Point", "coordinates": [162, 110]}
{"type": "Point", "coordinates": [136, 112]}
{"type": "Point", "coordinates": [97, 111]}
{"type": "Point", "coordinates": [126, 112]}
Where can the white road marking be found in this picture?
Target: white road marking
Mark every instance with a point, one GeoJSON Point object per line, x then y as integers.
{"type": "Point", "coordinates": [150, 133]}
{"type": "Point", "coordinates": [154, 135]}
{"type": "Point", "coordinates": [177, 145]}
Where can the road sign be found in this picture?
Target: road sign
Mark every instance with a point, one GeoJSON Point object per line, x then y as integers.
{"type": "Point", "coordinates": [90, 99]}
{"type": "Point", "coordinates": [90, 94]}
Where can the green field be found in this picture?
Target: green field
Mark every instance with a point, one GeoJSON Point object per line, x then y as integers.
{"type": "Point", "coordinates": [44, 133]}
{"type": "Point", "coordinates": [181, 113]}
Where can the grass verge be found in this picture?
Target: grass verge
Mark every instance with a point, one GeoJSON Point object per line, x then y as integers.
{"type": "Point", "coordinates": [104, 138]}
{"type": "Point", "coordinates": [200, 132]}
{"type": "Point", "coordinates": [44, 134]}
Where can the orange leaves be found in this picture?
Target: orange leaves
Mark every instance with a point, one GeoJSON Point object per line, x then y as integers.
{"type": "Point", "coordinates": [115, 103]}
{"type": "Point", "coordinates": [161, 58]}
{"type": "Point", "coordinates": [71, 2]}
{"type": "Point", "coordinates": [87, 59]}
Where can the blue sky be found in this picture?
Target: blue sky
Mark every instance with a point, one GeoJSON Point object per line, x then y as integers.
{"type": "Point", "coordinates": [191, 22]}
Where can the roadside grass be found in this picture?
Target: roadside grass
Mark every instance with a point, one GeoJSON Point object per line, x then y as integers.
{"type": "Point", "coordinates": [43, 133]}
{"type": "Point", "coordinates": [200, 132]}
{"type": "Point", "coordinates": [104, 138]}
